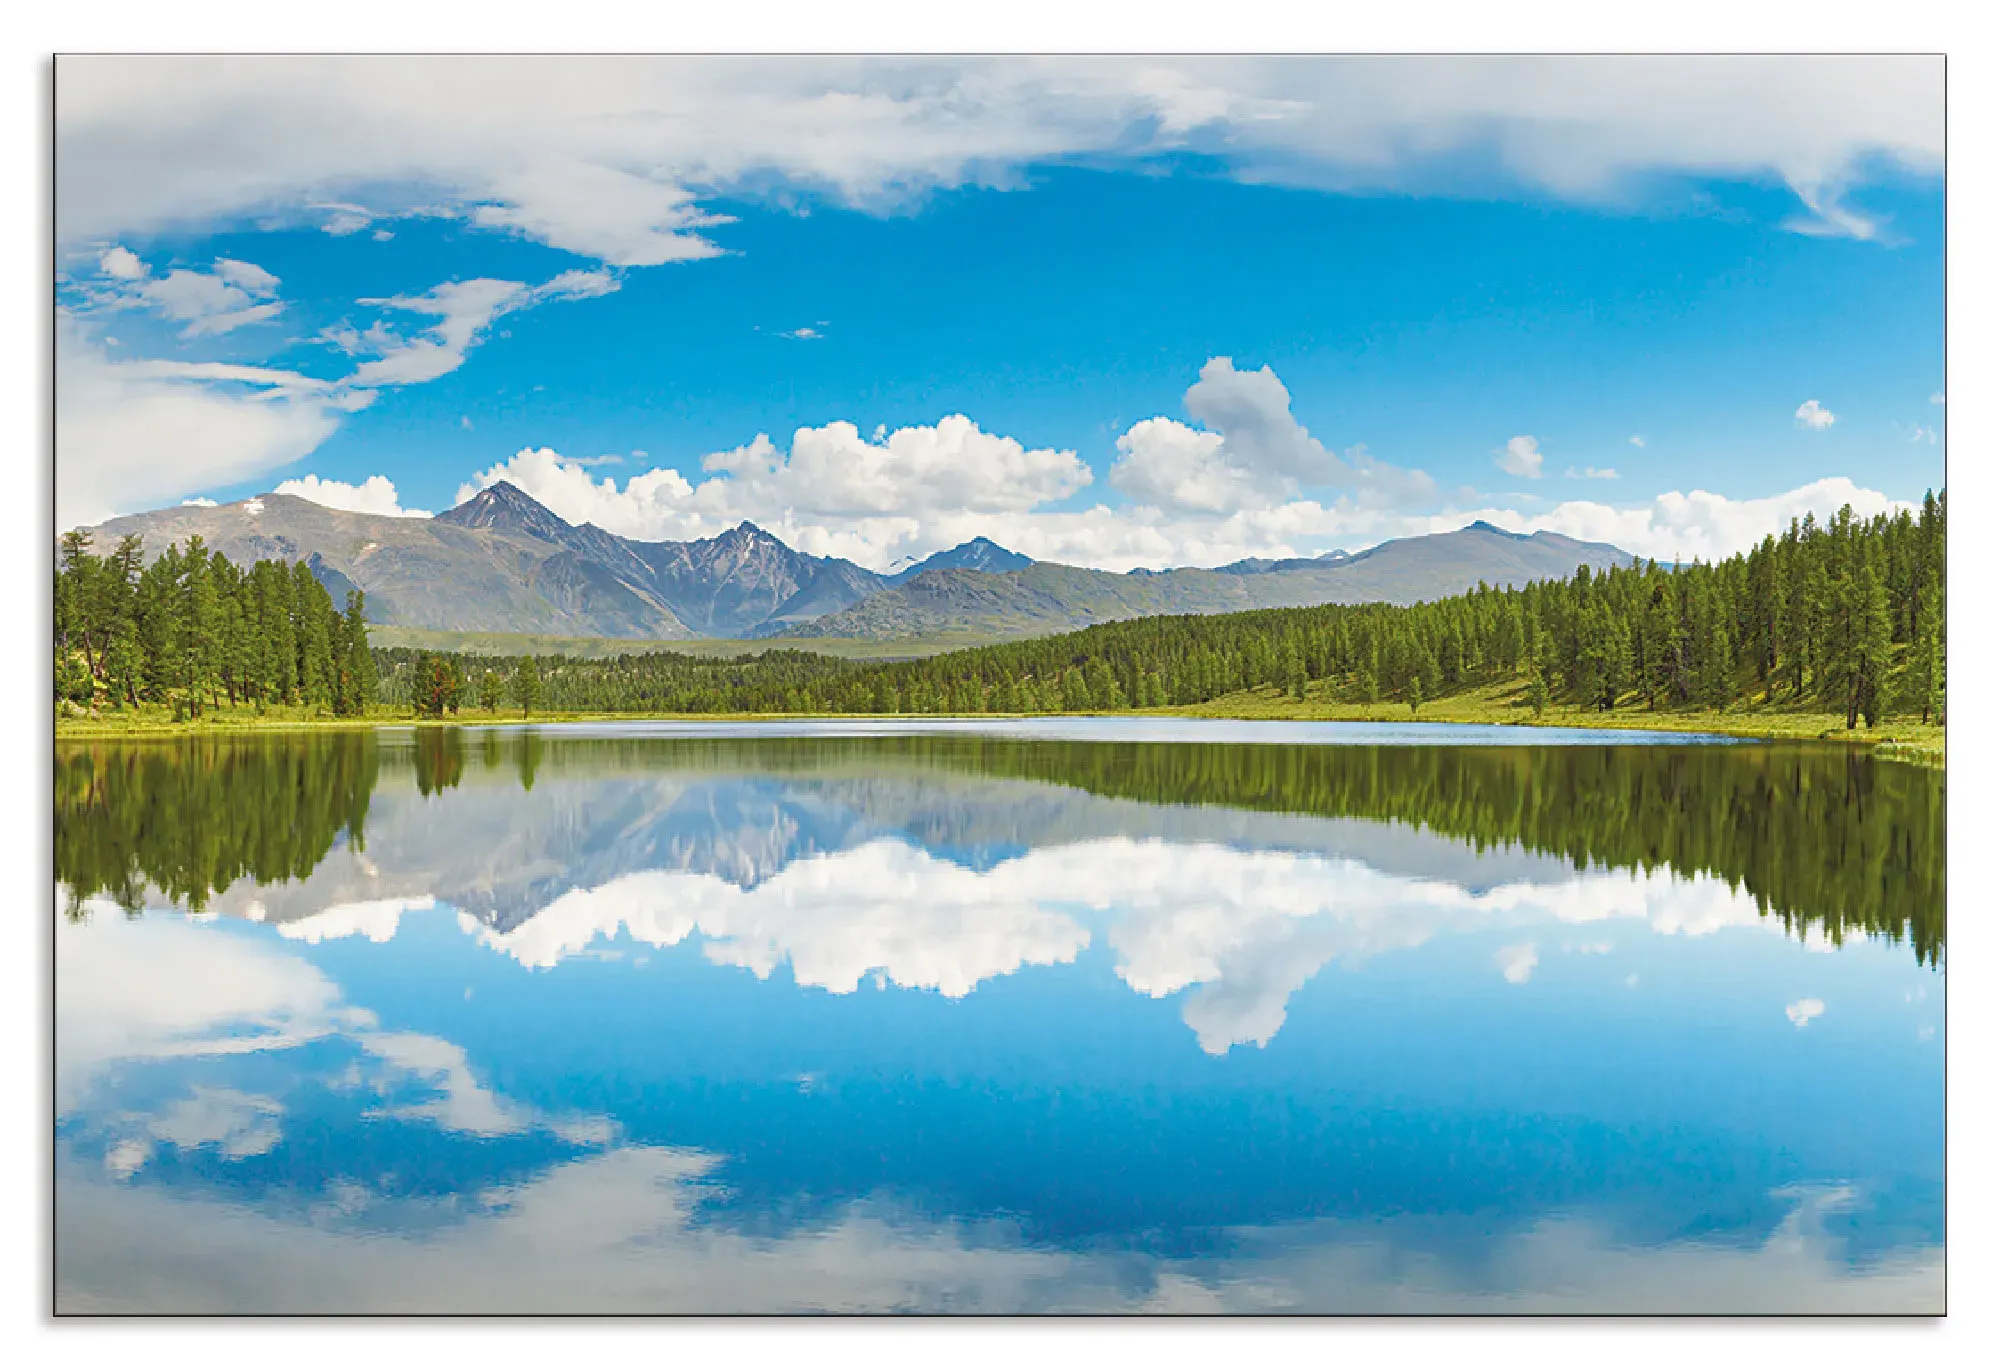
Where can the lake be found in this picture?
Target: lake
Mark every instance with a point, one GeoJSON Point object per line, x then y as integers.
{"type": "Point", "coordinates": [1067, 1016]}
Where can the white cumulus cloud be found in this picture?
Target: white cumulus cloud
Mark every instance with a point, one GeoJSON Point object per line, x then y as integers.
{"type": "Point", "coordinates": [1803, 1011]}
{"type": "Point", "coordinates": [1812, 414]}
{"type": "Point", "coordinates": [832, 488]}
{"type": "Point", "coordinates": [1682, 526]}
{"type": "Point", "coordinates": [1522, 456]}
{"type": "Point", "coordinates": [1250, 452]}
{"type": "Point", "coordinates": [1165, 463]}
{"type": "Point", "coordinates": [952, 465]}
{"type": "Point", "coordinates": [376, 495]}
{"type": "Point", "coordinates": [122, 264]}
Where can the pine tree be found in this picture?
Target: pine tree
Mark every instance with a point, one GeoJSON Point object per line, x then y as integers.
{"type": "Point", "coordinates": [1538, 689]}
{"type": "Point", "coordinates": [1923, 676]}
{"type": "Point", "coordinates": [1102, 686]}
{"type": "Point", "coordinates": [1718, 668]}
{"type": "Point", "coordinates": [359, 666]}
{"type": "Point", "coordinates": [1866, 664]}
{"type": "Point", "coordinates": [428, 685]}
{"type": "Point", "coordinates": [1663, 654]}
{"type": "Point", "coordinates": [527, 685]}
{"type": "Point", "coordinates": [311, 637]}
{"type": "Point", "coordinates": [1075, 693]}
{"type": "Point", "coordinates": [1292, 663]}
{"type": "Point", "coordinates": [200, 645]}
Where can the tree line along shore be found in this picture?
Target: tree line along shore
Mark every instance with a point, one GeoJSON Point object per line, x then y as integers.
{"type": "Point", "coordinates": [1834, 627]}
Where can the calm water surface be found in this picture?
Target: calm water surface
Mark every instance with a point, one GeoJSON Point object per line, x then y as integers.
{"type": "Point", "coordinates": [1075, 1016]}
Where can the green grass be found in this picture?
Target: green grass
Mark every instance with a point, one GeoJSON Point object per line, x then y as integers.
{"type": "Point", "coordinates": [597, 648]}
{"type": "Point", "coordinates": [154, 720]}
{"type": "Point", "coordinates": [1903, 739]}
{"type": "Point", "coordinates": [1906, 738]}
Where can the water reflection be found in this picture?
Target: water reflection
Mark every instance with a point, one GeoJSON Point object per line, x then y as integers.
{"type": "Point", "coordinates": [505, 1021]}
{"type": "Point", "coordinates": [1819, 837]}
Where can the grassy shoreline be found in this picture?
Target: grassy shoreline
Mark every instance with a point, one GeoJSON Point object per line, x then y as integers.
{"type": "Point", "coordinates": [1898, 739]}
{"type": "Point", "coordinates": [1505, 704]}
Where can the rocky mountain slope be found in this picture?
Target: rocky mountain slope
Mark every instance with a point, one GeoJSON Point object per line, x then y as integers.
{"type": "Point", "coordinates": [502, 562]}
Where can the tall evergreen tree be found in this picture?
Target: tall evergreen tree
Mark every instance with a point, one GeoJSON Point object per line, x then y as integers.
{"type": "Point", "coordinates": [527, 685]}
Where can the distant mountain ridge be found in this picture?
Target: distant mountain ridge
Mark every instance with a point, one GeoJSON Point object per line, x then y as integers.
{"type": "Point", "coordinates": [1050, 598]}
{"type": "Point", "coordinates": [980, 554]}
{"type": "Point", "coordinates": [504, 562]}
{"type": "Point", "coordinates": [1250, 566]}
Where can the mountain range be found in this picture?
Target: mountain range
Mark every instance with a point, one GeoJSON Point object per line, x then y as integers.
{"type": "Point", "coordinates": [503, 562]}
{"type": "Point", "coordinates": [1046, 597]}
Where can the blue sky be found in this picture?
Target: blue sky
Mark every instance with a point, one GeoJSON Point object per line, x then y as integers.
{"type": "Point", "coordinates": [1504, 316]}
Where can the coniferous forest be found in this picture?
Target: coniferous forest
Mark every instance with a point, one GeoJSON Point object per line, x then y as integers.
{"type": "Point", "coordinates": [192, 630]}
{"type": "Point", "coordinates": [1845, 617]}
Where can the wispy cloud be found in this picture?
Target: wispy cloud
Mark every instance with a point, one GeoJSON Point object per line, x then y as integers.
{"type": "Point", "coordinates": [608, 159]}
{"type": "Point", "coordinates": [131, 434]}
{"type": "Point", "coordinates": [228, 296]}
{"type": "Point", "coordinates": [464, 310]}
{"type": "Point", "coordinates": [343, 219]}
